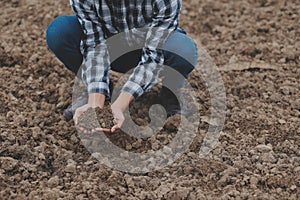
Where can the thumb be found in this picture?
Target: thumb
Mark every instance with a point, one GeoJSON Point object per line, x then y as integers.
{"type": "Point", "coordinates": [115, 128]}
{"type": "Point", "coordinates": [78, 112]}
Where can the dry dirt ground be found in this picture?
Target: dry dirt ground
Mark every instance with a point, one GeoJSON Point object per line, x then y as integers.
{"type": "Point", "coordinates": [255, 44]}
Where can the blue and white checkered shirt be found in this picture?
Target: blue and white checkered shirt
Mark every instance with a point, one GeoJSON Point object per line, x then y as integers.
{"type": "Point", "coordinates": [101, 19]}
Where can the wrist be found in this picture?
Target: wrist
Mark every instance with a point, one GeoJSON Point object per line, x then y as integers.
{"type": "Point", "coordinates": [123, 101]}
{"type": "Point", "coordinates": [96, 100]}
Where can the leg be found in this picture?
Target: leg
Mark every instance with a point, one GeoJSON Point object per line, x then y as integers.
{"type": "Point", "coordinates": [180, 54]}
{"type": "Point", "coordinates": [63, 37]}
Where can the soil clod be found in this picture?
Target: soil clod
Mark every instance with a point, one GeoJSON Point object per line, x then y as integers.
{"type": "Point", "coordinates": [96, 118]}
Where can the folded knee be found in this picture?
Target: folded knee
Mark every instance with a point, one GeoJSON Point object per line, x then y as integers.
{"type": "Point", "coordinates": [61, 31]}
{"type": "Point", "coordinates": [184, 46]}
{"type": "Point", "coordinates": [53, 32]}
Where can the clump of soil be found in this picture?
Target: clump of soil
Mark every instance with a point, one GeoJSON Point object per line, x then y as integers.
{"type": "Point", "coordinates": [96, 118]}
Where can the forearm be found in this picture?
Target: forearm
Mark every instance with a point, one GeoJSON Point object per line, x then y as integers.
{"type": "Point", "coordinates": [123, 101]}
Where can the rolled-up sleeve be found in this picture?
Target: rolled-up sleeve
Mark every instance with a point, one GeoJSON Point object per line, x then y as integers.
{"type": "Point", "coordinates": [95, 66]}
{"type": "Point", "coordinates": [164, 22]}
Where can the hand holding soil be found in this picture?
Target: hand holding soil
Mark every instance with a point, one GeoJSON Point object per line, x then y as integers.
{"type": "Point", "coordinates": [97, 120]}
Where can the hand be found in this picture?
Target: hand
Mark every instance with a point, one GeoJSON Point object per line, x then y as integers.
{"type": "Point", "coordinates": [95, 100]}
{"type": "Point", "coordinates": [118, 107]}
{"type": "Point", "coordinates": [118, 116]}
{"type": "Point", "coordinates": [79, 111]}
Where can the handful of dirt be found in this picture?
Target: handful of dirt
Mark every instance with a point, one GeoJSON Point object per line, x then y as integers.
{"type": "Point", "coordinates": [96, 118]}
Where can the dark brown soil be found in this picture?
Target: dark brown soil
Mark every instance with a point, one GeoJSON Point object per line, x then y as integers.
{"type": "Point", "coordinates": [256, 46]}
{"type": "Point", "coordinates": [96, 118]}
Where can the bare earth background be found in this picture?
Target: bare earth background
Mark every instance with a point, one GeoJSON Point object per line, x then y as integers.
{"type": "Point", "coordinates": [256, 45]}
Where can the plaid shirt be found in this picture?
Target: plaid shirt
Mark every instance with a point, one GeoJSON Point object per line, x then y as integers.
{"type": "Point", "coordinates": [101, 19]}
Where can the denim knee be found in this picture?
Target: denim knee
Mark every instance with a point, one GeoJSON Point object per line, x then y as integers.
{"type": "Point", "coordinates": [62, 32]}
{"type": "Point", "coordinates": [183, 46]}
{"type": "Point", "coordinates": [53, 32]}
{"type": "Point", "coordinates": [181, 53]}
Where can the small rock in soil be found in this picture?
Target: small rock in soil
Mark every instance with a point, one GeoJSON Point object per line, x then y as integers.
{"type": "Point", "coordinates": [8, 163]}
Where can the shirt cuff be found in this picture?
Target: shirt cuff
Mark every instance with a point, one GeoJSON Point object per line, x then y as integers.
{"type": "Point", "coordinates": [98, 87]}
{"type": "Point", "coordinates": [133, 88]}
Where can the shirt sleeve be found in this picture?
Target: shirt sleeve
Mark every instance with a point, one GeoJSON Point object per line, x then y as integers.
{"type": "Point", "coordinates": [164, 22]}
{"type": "Point", "coordinates": [95, 66]}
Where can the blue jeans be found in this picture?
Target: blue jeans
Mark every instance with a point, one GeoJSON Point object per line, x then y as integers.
{"type": "Point", "coordinates": [64, 34]}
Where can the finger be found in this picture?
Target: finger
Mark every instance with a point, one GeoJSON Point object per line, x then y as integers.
{"type": "Point", "coordinates": [118, 125]}
{"type": "Point", "coordinates": [84, 130]}
{"type": "Point", "coordinates": [75, 118]}
{"type": "Point", "coordinates": [115, 128]}
{"type": "Point", "coordinates": [105, 130]}
{"type": "Point", "coordinates": [76, 115]}
{"type": "Point", "coordinates": [79, 128]}
{"type": "Point", "coordinates": [78, 112]}
{"type": "Point", "coordinates": [97, 130]}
